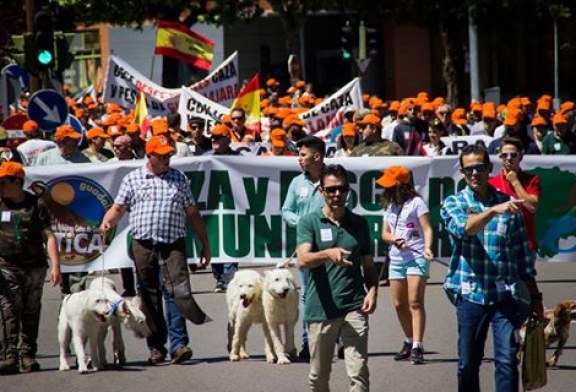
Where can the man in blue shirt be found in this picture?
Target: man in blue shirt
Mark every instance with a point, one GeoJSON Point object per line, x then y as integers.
{"type": "Point", "coordinates": [490, 260]}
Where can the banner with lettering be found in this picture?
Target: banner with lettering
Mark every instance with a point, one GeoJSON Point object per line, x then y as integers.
{"type": "Point", "coordinates": [241, 198]}
{"type": "Point", "coordinates": [123, 83]}
{"type": "Point", "coordinates": [192, 104]}
{"type": "Point", "coordinates": [222, 85]}
{"type": "Point", "coordinates": [318, 118]}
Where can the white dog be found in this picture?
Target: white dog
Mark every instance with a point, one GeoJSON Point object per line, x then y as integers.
{"type": "Point", "coordinates": [244, 300]}
{"type": "Point", "coordinates": [78, 314]}
{"type": "Point", "coordinates": [124, 311]}
{"type": "Point", "coordinates": [280, 302]}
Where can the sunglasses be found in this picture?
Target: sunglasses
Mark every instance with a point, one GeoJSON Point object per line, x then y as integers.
{"type": "Point", "coordinates": [509, 155]}
{"type": "Point", "coordinates": [237, 118]}
{"type": "Point", "coordinates": [481, 168]}
{"type": "Point", "coordinates": [336, 188]}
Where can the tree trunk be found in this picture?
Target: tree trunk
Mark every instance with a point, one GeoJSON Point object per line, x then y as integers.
{"type": "Point", "coordinates": [453, 65]}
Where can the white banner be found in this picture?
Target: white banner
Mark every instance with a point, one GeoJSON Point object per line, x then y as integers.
{"type": "Point", "coordinates": [240, 199]}
{"type": "Point", "coordinates": [192, 104]}
{"type": "Point", "coordinates": [318, 118]}
{"type": "Point", "coordinates": [223, 84]}
{"type": "Point", "coordinates": [123, 83]}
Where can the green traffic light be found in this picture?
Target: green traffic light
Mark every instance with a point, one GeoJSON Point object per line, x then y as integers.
{"type": "Point", "coordinates": [346, 55]}
{"type": "Point", "coordinates": [44, 57]}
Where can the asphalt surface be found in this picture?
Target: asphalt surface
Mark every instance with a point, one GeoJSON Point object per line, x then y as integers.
{"type": "Point", "coordinates": [210, 370]}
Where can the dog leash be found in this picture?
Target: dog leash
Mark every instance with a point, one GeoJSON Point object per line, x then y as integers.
{"type": "Point", "coordinates": [287, 262]}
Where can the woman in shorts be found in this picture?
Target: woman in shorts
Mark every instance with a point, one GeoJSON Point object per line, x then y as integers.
{"type": "Point", "coordinates": [408, 231]}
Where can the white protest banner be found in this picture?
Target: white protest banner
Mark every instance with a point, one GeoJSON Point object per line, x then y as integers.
{"type": "Point", "coordinates": [192, 104]}
{"type": "Point", "coordinates": [318, 118]}
{"type": "Point", "coordinates": [222, 85]}
{"type": "Point", "coordinates": [241, 197]}
{"type": "Point", "coordinates": [123, 83]}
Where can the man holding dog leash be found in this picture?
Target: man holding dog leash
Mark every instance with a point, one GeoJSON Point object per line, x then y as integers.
{"type": "Point", "coordinates": [159, 200]}
{"type": "Point", "coordinates": [490, 259]}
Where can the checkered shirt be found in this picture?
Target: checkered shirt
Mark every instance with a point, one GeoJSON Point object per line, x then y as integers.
{"type": "Point", "coordinates": [156, 204]}
{"type": "Point", "coordinates": [485, 267]}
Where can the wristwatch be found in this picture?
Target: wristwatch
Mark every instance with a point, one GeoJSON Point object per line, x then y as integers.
{"type": "Point", "coordinates": [536, 297]}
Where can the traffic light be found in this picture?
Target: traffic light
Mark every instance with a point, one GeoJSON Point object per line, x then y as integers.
{"type": "Point", "coordinates": [64, 57]}
{"type": "Point", "coordinates": [44, 39]}
{"type": "Point", "coordinates": [347, 40]}
{"type": "Point", "coordinates": [23, 51]}
{"type": "Point", "coordinates": [372, 41]}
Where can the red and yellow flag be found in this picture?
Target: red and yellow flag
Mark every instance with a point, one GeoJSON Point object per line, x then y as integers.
{"type": "Point", "coordinates": [176, 40]}
{"type": "Point", "coordinates": [141, 114]}
{"type": "Point", "coordinates": [249, 99]}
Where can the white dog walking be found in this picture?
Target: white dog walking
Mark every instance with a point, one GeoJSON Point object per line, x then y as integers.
{"type": "Point", "coordinates": [79, 313]}
{"type": "Point", "coordinates": [280, 303]}
{"type": "Point", "coordinates": [124, 311]}
{"type": "Point", "coordinates": [244, 300]}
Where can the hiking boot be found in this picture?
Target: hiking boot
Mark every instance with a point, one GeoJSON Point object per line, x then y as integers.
{"type": "Point", "coordinates": [157, 356]}
{"type": "Point", "coordinates": [9, 365]}
{"type": "Point", "coordinates": [29, 364]}
{"type": "Point", "coordinates": [417, 356]}
{"type": "Point", "coordinates": [180, 355]}
{"type": "Point", "coordinates": [404, 352]}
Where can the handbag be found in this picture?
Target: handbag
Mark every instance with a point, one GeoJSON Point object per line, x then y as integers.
{"type": "Point", "coordinates": [533, 356]}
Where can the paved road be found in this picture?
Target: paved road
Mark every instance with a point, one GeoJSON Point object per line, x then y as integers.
{"type": "Point", "coordinates": [210, 370]}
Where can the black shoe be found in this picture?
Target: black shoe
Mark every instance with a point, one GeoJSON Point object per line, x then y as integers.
{"type": "Point", "coordinates": [181, 355]}
{"type": "Point", "coordinates": [340, 351]}
{"type": "Point", "coordinates": [304, 355]}
{"type": "Point", "coordinates": [9, 365]}
{"type": "Point", "coordinates": [157, 356]}
{"type": "Point", "coordinates": [404, 352]}
{"type": "Point", "coordinates": [29, 364]}
{"type": "Point", "coordinates": [417, 356]}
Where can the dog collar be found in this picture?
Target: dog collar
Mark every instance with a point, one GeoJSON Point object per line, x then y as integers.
{"type": "Point", "coordinates": [115, 307]}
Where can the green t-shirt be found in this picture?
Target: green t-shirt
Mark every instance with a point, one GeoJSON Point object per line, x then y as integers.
{"type": "Point", "coordinates": [333, 291]}
{"type": "Point", "coordinates": [552, 145]}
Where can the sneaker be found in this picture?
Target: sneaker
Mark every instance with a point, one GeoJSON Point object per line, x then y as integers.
{"type": "Point", "coordinates": [218, 289]}
{"type": "Point", "coordinates": [404, 352]}
{"type": "Point", "coordinates": [417, 356]}
{"type": "Point", "coordinates": [29, 364]}
{"type": "Point", "coordinates": [157, 356]}
{"type": "Point", "coordinates": [9, 365]}
{"type": "Point", "coordinates": [180, 355]}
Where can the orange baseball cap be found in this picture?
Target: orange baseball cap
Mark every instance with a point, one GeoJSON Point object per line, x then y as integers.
{"type": "Point", "coordinates": [459, 116]}
{"type": "Point", "coordinates": [278, 137]}
{"type": "Point", "coordinates": [30, 126]}
{"type": "Point", "coordinates": [159, 126]}
{"type": "Point", "coordinates": [299, 84]}
{"type": "Point", "coordinates": [114, 131]}
{"type": "Point", "coordinates": [512, 117]}
{"type": "Point", "coordinates": [394, 106]}
{"type": "Point", "coordinates": [292, 119]}
{"type": "Point", "coordinates": [349, 129]}
{"type": "Point", "coordinates": [559, 119]}
{"type": "Point", "coordinates": [394, 175]}
{"type": "Point", "coordinates": [220, 130]}
{"type": "Point", "coordinates": [132, 128]}
{"type": "Point", "coordinates": [272, 82]}
{"type": "Point", "coordinates": [97, 132]}
{"type": "Point", "coordinates": [538, 121]}
{"type": "Point", "coordinates": [369, 119]}
{"type": "Point", "coordinates": [566, 106]}
{"type": "Point", "coordinates": [66, 131]}
{"type": "Point", "coordinates": [160, 145]}
{"type": "Point", "coordinates": [428, 107]}
{"type": "Point", "coordinates": [489, 110]}
{"type": "Point", "coordinates": [11, 169]}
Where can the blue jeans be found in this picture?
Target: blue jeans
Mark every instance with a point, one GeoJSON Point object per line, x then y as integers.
{"type": "Point", "coordinates": [177, 333]}
{"type": "Point", "coordinates": [304, 274]}
{"type": "Point", "coordinates": [473, 323]}
{"type": "Point", "coordinates": [223, 273]}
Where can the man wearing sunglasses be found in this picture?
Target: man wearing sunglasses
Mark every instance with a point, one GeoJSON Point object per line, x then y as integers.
{"type": "Point", "coordinates": [516, 183]}
{"type": "Point", "coordinates": [490, 261]}
{"type": "Point", "coordinates": [341, 291]}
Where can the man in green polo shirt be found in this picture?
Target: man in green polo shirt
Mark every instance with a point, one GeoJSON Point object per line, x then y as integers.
{"type": "Point", "coordinates": [341, 291]}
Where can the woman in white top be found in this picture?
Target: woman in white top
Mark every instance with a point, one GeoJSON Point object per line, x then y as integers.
{"type": "Point", "coordinates": [408, 231]}
{"type": "Point", "coordinates": [435, 147]}
{"type": "Point", "coordinates": [347, 140]}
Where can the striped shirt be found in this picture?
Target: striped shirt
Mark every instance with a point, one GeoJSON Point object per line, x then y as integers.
{"type": "Point", "coordinates": [486, 267]}
{"type": "Point", "coordinates": [156, 204]}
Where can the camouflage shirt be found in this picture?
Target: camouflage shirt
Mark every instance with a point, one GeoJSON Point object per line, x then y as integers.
{"type": "Point", "coordinates": [21, 226]}
{"type": "Point", "coordinates": [377, 149]}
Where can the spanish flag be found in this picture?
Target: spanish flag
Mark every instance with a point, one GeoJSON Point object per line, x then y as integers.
{"type": "Point", "coordinates": [141, 112]}
{"type": "Point", "coordinates": [249, 99]}
{"type": "Point", "coordinates": [176, 40]}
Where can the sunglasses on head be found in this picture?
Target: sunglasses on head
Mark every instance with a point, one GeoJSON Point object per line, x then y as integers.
{"type": "Point", "coordinates": [509, 155]}
{"type": "Point", "coordinates": [335, 188]}
{"type": "Point", "coordinates": [481, 168]}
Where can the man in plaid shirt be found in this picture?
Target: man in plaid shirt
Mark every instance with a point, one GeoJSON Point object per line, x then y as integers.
{"type": "Point", "coordinates": [159, 200]}
{"type": "Point", "coordinates": [490, 258]}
